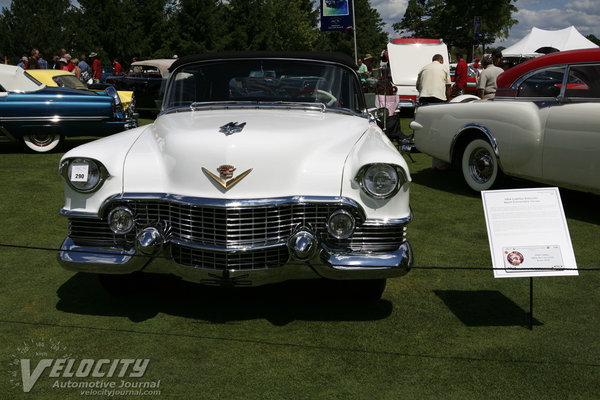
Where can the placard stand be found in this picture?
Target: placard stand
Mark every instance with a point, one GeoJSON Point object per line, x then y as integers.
{"type": "Point", "coordinates": [528, 235]}
{"type": "Point", "coordinates": [530, 316]}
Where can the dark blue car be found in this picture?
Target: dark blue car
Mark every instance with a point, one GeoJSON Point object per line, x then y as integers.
{"type": "Point", "coordinates": [41, 116]}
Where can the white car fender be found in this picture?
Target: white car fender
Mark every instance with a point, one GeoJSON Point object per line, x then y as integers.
{"type": "Point", "coordinates": [110, 151]}
{"type": "Point", "coordinates": [370, 149]}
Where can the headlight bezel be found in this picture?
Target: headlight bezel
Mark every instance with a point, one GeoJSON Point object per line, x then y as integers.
{"type": "Point", "coordinates": [364, 173]}
{"type": "Point", "coordinates": [102, 173]}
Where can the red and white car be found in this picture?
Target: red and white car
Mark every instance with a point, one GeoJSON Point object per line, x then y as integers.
{"type": "Point", "coordinates": [543, 125]}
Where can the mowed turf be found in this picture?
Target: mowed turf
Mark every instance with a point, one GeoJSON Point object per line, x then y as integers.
{"type": "Point", "coordinates": [436, 333]}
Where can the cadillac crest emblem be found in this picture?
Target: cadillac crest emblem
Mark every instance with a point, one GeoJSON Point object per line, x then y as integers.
{"type": "Point", "coordinates": [226, 171]}
{"type": "Point", "coordinates": [225, 178]}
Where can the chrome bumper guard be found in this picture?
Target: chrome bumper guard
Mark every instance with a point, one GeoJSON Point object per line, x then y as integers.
{"type": "Point", "coordinates": [326, 263]}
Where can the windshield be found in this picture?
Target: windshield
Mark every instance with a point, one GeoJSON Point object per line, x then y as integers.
{"type": "Point", "coordinates": [264, 81]}
{"type": "Point", "coordinates": [68, 81]}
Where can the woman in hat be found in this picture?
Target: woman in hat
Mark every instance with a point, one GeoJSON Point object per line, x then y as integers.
{"type": "Point", "coordinates": [96, 67]}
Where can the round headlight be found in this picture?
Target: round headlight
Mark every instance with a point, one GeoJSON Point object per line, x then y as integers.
{"type": "Point", "coordinates": [380, 180]}
{"type": "Point", "coordinates": [340, 224]}
{"type": "Point", "coordinates": [83, 174]}
{"type": "Point", "coordinates": [121, 220]}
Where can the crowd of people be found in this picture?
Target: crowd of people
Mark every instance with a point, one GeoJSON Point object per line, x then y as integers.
{"type": "Point", "coordinates": [435, 86]}
{"type": "Point", "coordinates": [79, 67]}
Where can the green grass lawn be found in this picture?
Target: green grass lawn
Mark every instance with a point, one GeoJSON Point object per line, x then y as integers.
{"type": "Point", "coordinates": [436, 333]}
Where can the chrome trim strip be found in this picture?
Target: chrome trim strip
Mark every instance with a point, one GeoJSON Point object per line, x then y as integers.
{"type": "Point", "coordinates": [233, 203]}
{"type": "Point", "coordinates": [237, 105]}
{"type": "Point", "coordinates": [54, 118]}
{"type": "Point", "coordinates": [228, 250]}
{"type": "Point", "coordinates": [388, 221]}
{"type": "Point", "coordinates": [222, 203]}
{"type": "Point", "coordinates": [81, 214]}
{"type": "Point", "coordinates": [482, 129]}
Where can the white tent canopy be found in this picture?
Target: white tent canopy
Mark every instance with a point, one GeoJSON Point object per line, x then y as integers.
{"type": "Point", "coordinates": [561, 40]}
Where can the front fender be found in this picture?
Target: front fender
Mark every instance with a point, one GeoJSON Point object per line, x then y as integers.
{"type": "Point", "coordinates": [111, 152]}
{"type": "Point", "coordinates": [375, 147]}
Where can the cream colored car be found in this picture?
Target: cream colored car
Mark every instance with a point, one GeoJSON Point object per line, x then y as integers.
{"type": "Point", "coordinates": [543, 125]}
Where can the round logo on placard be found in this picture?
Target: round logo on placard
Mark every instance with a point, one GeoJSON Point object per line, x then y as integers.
{"type": "Point", "coordinates": [515, 258]}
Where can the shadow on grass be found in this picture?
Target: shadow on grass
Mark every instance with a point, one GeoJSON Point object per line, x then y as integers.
{"type": "Point", "coordinates": [484, 308]}
{"type": "Point", "coordinates": [450, 181]}
{"type": "Point", "coordinates": [578, 205]}
{"type": "Point", "coordinates": [312, 300]}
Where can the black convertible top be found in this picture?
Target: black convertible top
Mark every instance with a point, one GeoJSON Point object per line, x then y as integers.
{"type": "Point", "coordinates": [338, 58]}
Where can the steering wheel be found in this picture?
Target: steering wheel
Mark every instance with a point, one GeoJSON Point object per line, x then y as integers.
{"type": "Point", "coordinates": [332, 99]}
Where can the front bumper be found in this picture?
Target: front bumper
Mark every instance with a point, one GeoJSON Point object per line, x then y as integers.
{"type": "Point", "coordinates": [326, 263]}
{"type": "Point", "coordinates": [242, 242]}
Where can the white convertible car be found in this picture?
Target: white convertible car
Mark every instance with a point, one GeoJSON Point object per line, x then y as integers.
{"type": "Point", "coordinates": [543, 125]}
{"type": "Point", "coordinates": [260, 168]}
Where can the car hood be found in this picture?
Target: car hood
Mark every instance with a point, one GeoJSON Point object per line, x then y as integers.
{"type": "Point", "coordinates": [282, 152]}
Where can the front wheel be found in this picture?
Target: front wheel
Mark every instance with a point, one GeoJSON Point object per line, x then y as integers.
{"type": "Point", "coordinates": [41, 143]}
{"type": "Point", "coordinates": [480, 165]}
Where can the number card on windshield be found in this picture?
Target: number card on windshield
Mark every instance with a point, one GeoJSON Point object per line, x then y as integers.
{"type": "Point", "coordinates": [528, 233]}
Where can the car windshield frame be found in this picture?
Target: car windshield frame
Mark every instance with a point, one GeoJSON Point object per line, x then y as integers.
{"type": "Point", "coordinates": [263, 82]}
{"type": "Point", "coordinates": [68, 81]}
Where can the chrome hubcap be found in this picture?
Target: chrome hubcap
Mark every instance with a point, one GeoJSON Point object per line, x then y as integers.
{"type": "Point", "coordinates": [41, 140]}
{"type": "Point", "coordinates": [481, 165]}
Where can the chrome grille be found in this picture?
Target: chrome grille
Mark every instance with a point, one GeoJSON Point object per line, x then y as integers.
{"type": "Point", "coordinates": [218, 260]}
{"type": "Point", "coordinates": [250, 228]}
{"type": "Point", "coordinates": [372, 237]}
{"type": "Point", "coordinates": [96, 232]}
{"type": "Point", "coordinates": [229, 227]}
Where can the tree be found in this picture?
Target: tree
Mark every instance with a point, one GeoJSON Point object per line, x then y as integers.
{"type": "Point", "coordinates": [193, 26]}
{"type": "Point", "coordinates": [452, 21]}
{"type": "Point", "coordinates": [29, 24]}
{"type": "Point", "coordinates": [270, 25]}
{"type": "Point", "coordinates": [593, 39]}
{"type": "Point", "coordinates": [370, 35]}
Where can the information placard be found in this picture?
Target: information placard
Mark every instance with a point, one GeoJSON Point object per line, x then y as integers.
{"type": "Point", "coordinates": [528, 233]}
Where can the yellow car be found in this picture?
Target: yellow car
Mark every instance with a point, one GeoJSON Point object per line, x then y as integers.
{"type": "Point", "coordinates": [60, 78]}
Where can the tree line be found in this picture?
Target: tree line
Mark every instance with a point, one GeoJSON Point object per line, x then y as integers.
{"type": "Point", "coordinates": [146, 29]}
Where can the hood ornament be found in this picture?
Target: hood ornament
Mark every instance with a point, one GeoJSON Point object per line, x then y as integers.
{"type": "Point", "coordinates": [231, 128]}
{"type": "Point", "coordinates": [226, 179]}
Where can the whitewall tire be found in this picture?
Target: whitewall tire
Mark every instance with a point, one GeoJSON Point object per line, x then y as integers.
{"type": "Point", "coordinates": [480, 165]}
{"type": "Point", "coordinates": [41, 143]}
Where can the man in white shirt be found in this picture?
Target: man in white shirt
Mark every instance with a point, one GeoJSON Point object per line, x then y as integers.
{"type": "Point", "coordinates": [433, 82]}
{"type": "Point", "coordinates": [486, 86]}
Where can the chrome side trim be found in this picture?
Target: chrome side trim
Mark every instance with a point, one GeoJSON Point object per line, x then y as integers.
{"type": "Point", "coordinates": [54, 118]}
{"type": "Point", "coordinates": [482, 129]}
